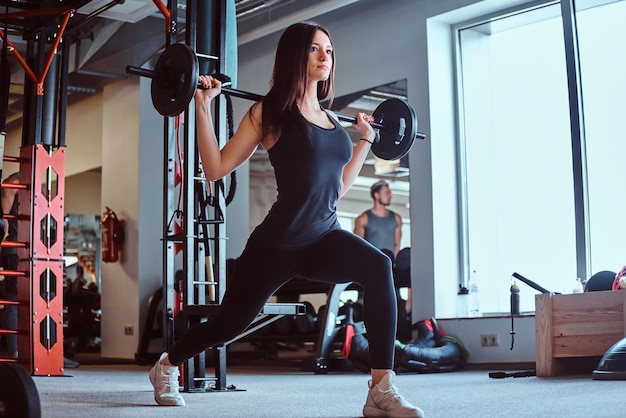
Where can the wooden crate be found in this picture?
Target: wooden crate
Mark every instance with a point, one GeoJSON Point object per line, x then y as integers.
{"type": "Point", "coordinates": [575, 326]}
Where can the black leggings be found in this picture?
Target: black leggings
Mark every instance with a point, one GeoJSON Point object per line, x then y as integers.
{"type": "Point", "coordinates": [339, 257]}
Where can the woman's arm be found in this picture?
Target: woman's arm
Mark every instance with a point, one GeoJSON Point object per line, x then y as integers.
{"type": "Point", "coordinates": [360, 152]}
{"type": "Point", "coordinates": [218, 163]}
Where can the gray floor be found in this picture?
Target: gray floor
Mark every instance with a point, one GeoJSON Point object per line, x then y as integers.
{"type": "Point", "coordinates": [124, 391]}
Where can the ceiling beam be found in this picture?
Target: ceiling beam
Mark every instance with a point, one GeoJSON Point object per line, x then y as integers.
{"type": "Point", "coordinates": [302, 15]}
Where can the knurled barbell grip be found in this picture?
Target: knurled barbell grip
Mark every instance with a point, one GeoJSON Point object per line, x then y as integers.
{"type": "Point", "coordinates": [256, 97]}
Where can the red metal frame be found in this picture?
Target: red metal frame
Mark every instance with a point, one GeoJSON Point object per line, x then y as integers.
{"type": "Point", "coordinates": [166, 14]}
{"type": "Point", "coordinates": [40, 80]}
{"type": "Point", "coordinates": [42, 352]}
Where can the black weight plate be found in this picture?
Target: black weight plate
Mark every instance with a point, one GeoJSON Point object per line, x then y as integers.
{"type": "Point", "coordinates": [18, 393]}
{"type": "Point", "coordinates": [399, 129]}
{"type": "Point", "coordinates": [176, 80]}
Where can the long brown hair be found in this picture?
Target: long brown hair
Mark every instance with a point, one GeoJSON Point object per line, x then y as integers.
{"type": "Point", "coordinates": [289, 80]}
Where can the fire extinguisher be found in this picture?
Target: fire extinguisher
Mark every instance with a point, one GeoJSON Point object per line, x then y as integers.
{"type": "Point", "coordinates": [112, 236]}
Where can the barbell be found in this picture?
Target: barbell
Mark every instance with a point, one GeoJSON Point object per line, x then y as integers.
{"type": "Point", "coordinates": [175, 80]}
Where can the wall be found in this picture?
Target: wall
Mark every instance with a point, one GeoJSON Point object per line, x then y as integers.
{"type": "Point", "coordinates": [470, 330]}
{"type": "Point", "coordinates": [132, 146]}
{"type": "Point", "coordinates": [120, 177]}
{"type": "Point", "coordinates": [82, 193]}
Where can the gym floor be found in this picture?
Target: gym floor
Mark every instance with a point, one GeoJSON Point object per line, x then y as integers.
{"type": "Point", "coordinates": [123, 390]}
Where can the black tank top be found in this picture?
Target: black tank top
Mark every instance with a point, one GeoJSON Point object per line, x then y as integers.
{"type": "Point", "coordinates": [381, 230]}
{"type": "Point", "coordinates": [308, 178]}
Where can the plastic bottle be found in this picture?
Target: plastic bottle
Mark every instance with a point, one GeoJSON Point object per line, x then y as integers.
{"type": "Point", "coordinates": [474, 296]}
{"type": "Point", "coordinates": [515, 299]}
{"type": "Point", "coordinates": [579, 286]}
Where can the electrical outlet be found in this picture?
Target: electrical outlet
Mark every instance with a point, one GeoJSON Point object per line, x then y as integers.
{"type": "Point", "coordinates": [129, 330]}
{"type": "Point", "coordinates": [490, 340]}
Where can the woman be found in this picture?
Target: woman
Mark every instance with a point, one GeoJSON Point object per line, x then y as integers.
{"type": "Point", "coordinates": [315, 164]}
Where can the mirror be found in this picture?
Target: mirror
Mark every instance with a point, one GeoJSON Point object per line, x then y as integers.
{"type": "Point", "coordinates": [396, 173]}
{"type": "Point", "coordinates": [81, 290]}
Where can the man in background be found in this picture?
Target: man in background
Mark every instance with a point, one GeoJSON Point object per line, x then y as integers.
{"type": "Point", "coordinates": [380, 226]}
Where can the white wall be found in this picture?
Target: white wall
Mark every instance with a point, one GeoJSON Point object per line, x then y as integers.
{"type": "Point", "coordinates": [83, 193]}
{"type": "Point", "coordinates": [469, 332]}
{"type": "Point", "coordinates": [120, 182]}
{"type": "Point", "coordinates": [132, 148]}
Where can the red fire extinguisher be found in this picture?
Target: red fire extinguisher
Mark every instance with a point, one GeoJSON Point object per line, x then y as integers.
{"type": "Point", "coordinates": [112, 236]}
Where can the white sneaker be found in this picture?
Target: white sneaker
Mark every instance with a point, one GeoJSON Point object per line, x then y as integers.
{"type": "Point", "coordinates": [164, 379]}
{"type": "Point", "coordinates": [383, 400]}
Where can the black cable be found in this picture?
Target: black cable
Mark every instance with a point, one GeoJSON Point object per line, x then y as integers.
{"type": "Point", "coordinates": [512, 332]}
{"type": "Point", "coordinates": [232, 189]}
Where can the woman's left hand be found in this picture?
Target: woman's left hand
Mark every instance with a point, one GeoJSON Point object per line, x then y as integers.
{"type": "Point", "coordinates": [363, 125]}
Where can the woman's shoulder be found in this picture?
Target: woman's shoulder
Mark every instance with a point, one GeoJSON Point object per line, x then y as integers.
{"type": "Point", "coordinates": [332, 114]}
{"type": "Point", "coordinates": [256, 109]}
{"type": "Point", "coordinates": [256, 116]}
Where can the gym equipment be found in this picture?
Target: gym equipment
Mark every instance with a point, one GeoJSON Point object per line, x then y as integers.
{"type": "Point", "coordinates": [612, 365]}
{"type": "Point", "coordinates": [348, 330]}
{"type": "Point", "coordinates": [285, 324]}
{"type": "Point", "coordinates": [307, 323]}
{"type": "Point", "coordinates": [175, 80]}
{"type": "Point", "coordinates": [5, 82]}
{"type": "Point", "coordinates": [18, 393]}
{"type": "Point", "coordinates": [403, 260]}
{"type": "Point", "coordinates": [431, 351]}
{"type": "Point", "coordinates": [402, 268]}
{"type": "Point", "coordinates": [620, 280]}
{"type": "Point", "coordinates": [532, 284]}
{"type": "Point", "coordinates": [502, 375]}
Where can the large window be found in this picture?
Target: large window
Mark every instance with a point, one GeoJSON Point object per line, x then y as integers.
{"type": "Point", "coordinates": [517, 181]}
{"type": "Point", "coordinates": [602, 44]}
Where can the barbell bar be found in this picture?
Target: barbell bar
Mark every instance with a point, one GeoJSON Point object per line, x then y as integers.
{"type": "Point", "coordinates": [175, 80]}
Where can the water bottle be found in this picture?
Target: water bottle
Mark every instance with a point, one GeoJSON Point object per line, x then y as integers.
{"type": "Point", "coordinates": [474, 297]}
{"type": "Point", "coordinates": [514, 299]}
{"type": "Point", "coordinates": [579, 286]}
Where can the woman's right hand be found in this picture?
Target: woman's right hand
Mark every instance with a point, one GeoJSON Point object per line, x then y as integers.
{"type": "Point", "coordinates": [211, 87]}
